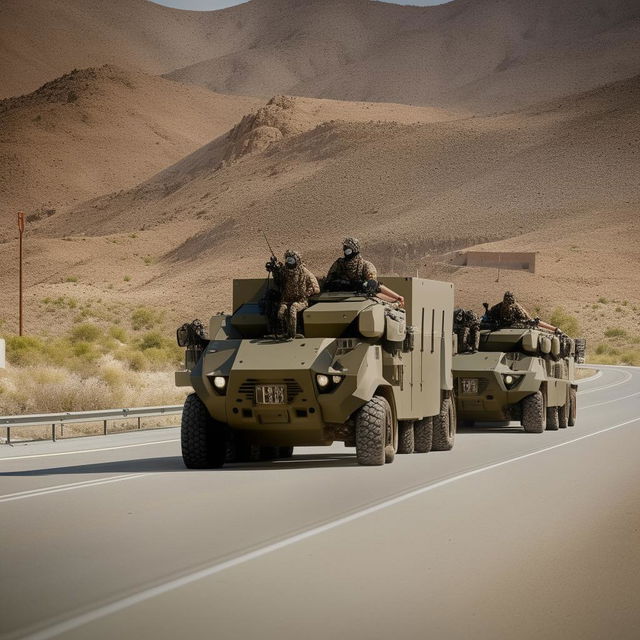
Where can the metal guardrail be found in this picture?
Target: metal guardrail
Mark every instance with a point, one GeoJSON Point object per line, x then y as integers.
{"type": "Point", "coordinates": [74, 417]}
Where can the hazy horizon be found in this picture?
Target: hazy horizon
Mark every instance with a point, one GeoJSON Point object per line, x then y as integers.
{"type": "Point", "coordinates": [211, 5]}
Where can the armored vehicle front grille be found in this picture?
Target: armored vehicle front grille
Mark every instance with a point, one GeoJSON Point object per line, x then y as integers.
{"type": "Point", "coordinates": [248, 388]}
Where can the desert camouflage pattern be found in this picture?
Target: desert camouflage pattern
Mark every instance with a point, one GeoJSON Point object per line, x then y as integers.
{"type": "Point", "coordinates": [466, 325]}
{"type": "Point", "coordinates": [507, 314]}
{"type": "Point", "coordinates": [296, 286]}
{"type": "Point", "coordinates": [355, 270]}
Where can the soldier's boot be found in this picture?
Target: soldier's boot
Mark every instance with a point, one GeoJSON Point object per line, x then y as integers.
{"type": "Point", "coordinates": [475, 339]}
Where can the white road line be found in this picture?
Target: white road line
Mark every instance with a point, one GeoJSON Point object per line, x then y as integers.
{"type": "Point", "coordinates": [142, 596]}
{"type": "Point", "coordinates": [71, 453]}
{"type": "Point", "coordinates": [610, 386]}
{"type": "Point", "coordinates": [21, 495]}
{"type": "Point", "coordinates": [597, 404]}
{"type": "Point", "coordinates": [595, 376]}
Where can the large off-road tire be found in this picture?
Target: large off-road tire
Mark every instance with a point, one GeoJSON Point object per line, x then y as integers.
{"type": "Point", "coordinates": [204, 440]}
{"type": "Point", "coordinates": [405, 436]}
{"type": "Point", "coordinates": [423, 435]}
{"type": "Point", "coordinates": [534, 413]}
{"type": "Point", "coordinates": [573, 406]}
{"type": "Point", "coordinates": [285, 452]}
{"type": "Point", "coordinates": [372, 422]}
{"type": "Point", "coordinates": [553, 423]}
{"type": "Point", "coordinates": [563, 412]}
{"type": "Point", "coordinates": [444, 424]}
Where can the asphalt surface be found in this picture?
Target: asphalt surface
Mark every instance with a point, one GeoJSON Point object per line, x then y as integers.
{"type": "Point", "coordinates": [510, 535]}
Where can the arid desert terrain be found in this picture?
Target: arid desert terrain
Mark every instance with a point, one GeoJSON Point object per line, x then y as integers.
{"type": "Point", "coordinates": [150, 149]}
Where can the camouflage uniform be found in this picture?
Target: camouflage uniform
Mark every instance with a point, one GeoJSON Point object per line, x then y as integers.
{"type": "Point", "coordinates": [296, 285]}
{"type": "Point", "coordinates": [352, 271]}
{"type": "Point", "coordinates": [466, 325]}
{"type": "Point", "coordinates": [508, 312]}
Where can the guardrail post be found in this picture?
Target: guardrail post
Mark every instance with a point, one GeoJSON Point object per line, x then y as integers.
{"type": "Point", "coordinates": [104, 427]}
{"type": "Point", "coordinates": [139, 422]}
{"type": "Point", "coordinates": [8, 435]}
{"type": "Point", "coordinates": [53, 432]}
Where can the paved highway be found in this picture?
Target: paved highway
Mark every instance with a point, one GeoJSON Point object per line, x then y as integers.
{"type": "Point", "coordinates": [510, 535]}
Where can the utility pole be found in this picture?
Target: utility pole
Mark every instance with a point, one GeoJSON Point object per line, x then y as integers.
{"type": "Point", "coordinates": [21, 230]}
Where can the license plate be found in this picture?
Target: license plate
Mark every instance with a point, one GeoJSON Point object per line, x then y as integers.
{"type": "Point", "coordinates": [271, 394]}
{"type": "Point", "coordinates": [469, 385]}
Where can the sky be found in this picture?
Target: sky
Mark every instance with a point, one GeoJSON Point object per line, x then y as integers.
{"type": "Point", "coordinates": [208, 5]}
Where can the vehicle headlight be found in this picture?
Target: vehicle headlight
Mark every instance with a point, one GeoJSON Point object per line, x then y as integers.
{"type": "Point", "coordinates": [510, 381]}
{"type": "Point", "coordinates": [220, 383]}
{"type": "Point", "coordinates": [336, 379]}
{"type": "Point", "coordinates": [322, 380]}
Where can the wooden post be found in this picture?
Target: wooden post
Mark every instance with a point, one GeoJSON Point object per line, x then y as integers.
{"type": "Point", "coordinates": [21, 230]}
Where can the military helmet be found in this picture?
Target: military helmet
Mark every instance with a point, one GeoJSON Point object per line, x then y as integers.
{"type": "Point", "coordinates": [292, 258]}
{"type": "Point", "coordinates": [351, 243]}
{"type": "Point", "coordinates": [509, 298]}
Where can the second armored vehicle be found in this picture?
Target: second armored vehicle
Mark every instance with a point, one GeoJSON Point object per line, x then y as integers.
{"type": "Point", "coordinates": [523, 374]}
{"type": "Point", "coordinates": [365, 373]}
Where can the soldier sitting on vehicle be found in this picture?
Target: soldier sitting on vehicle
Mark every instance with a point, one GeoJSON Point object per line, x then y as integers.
{"type": "Point", "coordinates": [466, 325]}
{"type": "Point", "coordinates": [295, 285]}
{"type": "Point", "coordinates": [352, 271]}
{"type": "Point", "coordinates": [509, 313]}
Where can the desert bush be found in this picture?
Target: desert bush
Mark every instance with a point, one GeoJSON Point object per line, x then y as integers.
{"type": "Point", "coordinates": [118, 333]}
{"type": "Point", "coordinates": [85, 332]}
{"type": "Point", "coordinates": [602, 300]}
{"type": "Point", "coordinates": [151, 340]}
{"type": "Point", "coordinates": [568, 323]}
{"type": "Point", "coordinates": [145, 318]}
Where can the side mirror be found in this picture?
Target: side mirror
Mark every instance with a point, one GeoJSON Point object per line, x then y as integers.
{"type": "Point", "coordinates": [182, 336]}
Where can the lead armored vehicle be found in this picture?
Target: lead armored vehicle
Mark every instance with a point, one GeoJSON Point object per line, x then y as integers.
{"type": "Point", "coordinates": [524, 374]}
{"type": "Point", "coordinates": [365, 373]}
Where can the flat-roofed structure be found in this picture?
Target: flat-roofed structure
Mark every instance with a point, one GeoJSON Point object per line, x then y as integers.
{"type": "Point", "coordinates": [519, 261]}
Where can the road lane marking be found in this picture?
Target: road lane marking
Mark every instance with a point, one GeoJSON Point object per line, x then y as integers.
{"type": "Point", "coordinates": [33, 493]}
{"type": "Point", "coordinates": [171, 585]}
{"type": "Point", "coordinates": [597, 404]}
{"type": "Point", "coordinates": [609, 386]}
{"type": "Point", "coordinates": [70, 453]}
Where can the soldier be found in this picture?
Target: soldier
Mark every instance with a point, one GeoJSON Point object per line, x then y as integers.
{"type": "Point", "coordinates": [508, 313]}
{"type": "Point", "coordinates": [352, 271]}
{"type": "Point", "coordinates": [466, 324]}
{"type": "Point", "coordinates": [296, 284]}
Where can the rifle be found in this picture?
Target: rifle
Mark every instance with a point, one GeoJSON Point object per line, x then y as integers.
{"type": "Point", "coordinates": [273, 260]}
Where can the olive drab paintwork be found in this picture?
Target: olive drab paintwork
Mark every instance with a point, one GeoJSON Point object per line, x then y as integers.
{"type": "Point", "coordinates": [512, 363]}
{"type": "Point", "coordinates": [362, 345]}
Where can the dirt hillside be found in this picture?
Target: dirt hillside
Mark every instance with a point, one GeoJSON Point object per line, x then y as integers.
{"type": "Point", "coordinates": [489, 55]}
{"type": "Point", "coordinates": [96, 130]}
{"type": "Point", "coordinates": [560, 179]}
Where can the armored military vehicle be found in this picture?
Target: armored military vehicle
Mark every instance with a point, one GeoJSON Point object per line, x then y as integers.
{"type": "Point", "coordinates": [373, 376]}
{"type": "Point", "coordinates": [524, 374]}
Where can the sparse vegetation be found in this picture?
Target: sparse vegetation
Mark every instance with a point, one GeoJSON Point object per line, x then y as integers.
{"type": "Point", "coordinates": [568, 323]}
{"type": "Point", "coordinates": [615, 332]}
{"type": "Point", "coordinates": [602, 300]}
{"type": "Point", "coordinates": [127, 278]}
{"type": "Point", "coordinates": [89, 368]}
{"type": "Point", "coordinates": [145, 318]}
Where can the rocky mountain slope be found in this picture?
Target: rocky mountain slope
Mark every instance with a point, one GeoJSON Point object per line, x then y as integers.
{"type": "Point", "coordinates": [99, 129]}
{"type": "Point", "coordinates": [491, 55]}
